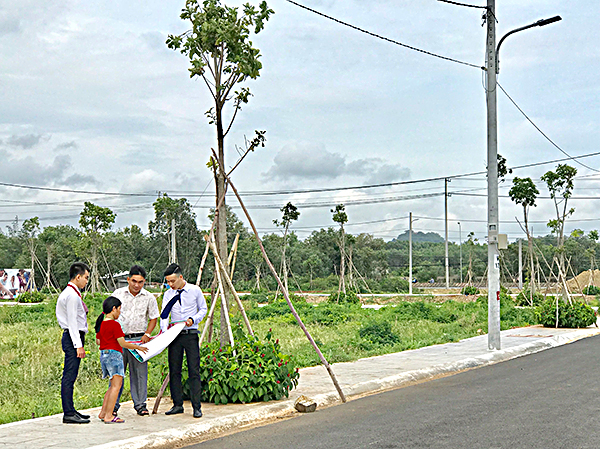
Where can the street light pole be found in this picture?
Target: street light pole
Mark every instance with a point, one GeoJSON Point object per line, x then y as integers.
{"type": "Point", "coordinates": [492, 169]}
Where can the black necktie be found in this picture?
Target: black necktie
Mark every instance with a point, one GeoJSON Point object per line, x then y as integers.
{"type": "Point", "coordinates": [174, 299]}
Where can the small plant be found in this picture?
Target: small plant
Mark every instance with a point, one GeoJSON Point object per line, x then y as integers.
{"type": "Point", "coordinates": [524, 298]}
{"type": "Point", "coordinates": [379, 332]}
{"type": "Point", "coordinates": [252, 371]}
{"type": "Point", "coordinates": [591, 290]}
{"type": "Point", "coordinates": [576, 315]}
{"type": "Point", "coordinates": [344, 298]}
{"type": "Point", "coordinates": [31, 297]}
{"type": "Point", "coordinates": [470, 290]}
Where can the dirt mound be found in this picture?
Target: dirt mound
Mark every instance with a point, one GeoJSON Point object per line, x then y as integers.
{"type": "Point", "coordinates": [584, 279]}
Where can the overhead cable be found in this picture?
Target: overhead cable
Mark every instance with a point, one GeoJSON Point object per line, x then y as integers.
{"type": "Point", "coordinates": [542, 132]}
{"type": "Point", "coordinates": [385, 38]}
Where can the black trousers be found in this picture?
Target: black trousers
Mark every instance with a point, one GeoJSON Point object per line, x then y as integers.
{"type": "Point", "coordinates": [70, 372]}
{"type": "Point", "coordinates": [189, 344]}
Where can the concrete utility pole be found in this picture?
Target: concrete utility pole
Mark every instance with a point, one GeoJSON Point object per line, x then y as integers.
{"type": "Point", "coordinates": [520, 264]}
{"type": "Point", "coordinates": [492, 180]}
{"type": "Point", "coordinates": [492, 169]}
{"type": "Point", "coordinates": [460, 251]}
{"type": "Point", "coordinates": [446, 231]}
{"type": "Point", "coordinates": [173, 243]}
{"type": "Point", "coordinates": [410, 276]}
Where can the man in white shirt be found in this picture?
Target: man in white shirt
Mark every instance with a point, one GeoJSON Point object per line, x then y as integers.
{"type": "Point", "coordinates": [184, 302]}
{"type": "Point", "coordinates": [139, 314]}
{"type": "Point", "coordinates": [71, 313]}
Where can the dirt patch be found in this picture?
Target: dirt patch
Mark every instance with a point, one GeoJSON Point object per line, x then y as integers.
{"type": "Point", "coordinates": [584, 279]}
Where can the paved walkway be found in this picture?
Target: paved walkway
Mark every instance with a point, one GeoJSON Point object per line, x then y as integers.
{"type": "Point", "coordinates": [358, 378]}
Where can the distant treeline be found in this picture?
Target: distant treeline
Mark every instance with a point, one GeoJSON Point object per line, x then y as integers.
{"type": "Point", "coordinates": [314, 262]}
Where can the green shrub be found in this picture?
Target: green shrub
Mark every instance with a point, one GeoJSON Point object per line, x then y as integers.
{"type": "Point", "coordinates": [31, 297]}
{"type": "Point", "coordinates": [379, 333]}
{"type": "Point", "coordinates": [470, 290]}
{"type": "Point", "coordinates": [258, 371]}
{"type": "Point", "coordinates": [523, 298]}
{"type": "Point", "coordinates": [591, 290]}
{"type": "Point", "coordinates": [393, 284]}
{"type": "Point", "coordinates": [344, 298]}
{"type": "Point", "coordinates": [574, 315]}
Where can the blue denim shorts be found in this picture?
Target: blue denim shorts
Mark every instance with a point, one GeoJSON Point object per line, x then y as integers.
{"type": "Point", "coordinates": [111, 362]}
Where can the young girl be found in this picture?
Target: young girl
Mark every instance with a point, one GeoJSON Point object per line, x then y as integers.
{"type": "Point", "coordinates": [111, 339]}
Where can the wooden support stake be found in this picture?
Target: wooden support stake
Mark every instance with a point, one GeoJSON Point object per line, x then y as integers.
{"type": "Point", "coordinates": [224, 305]}
{"type": "Point", "coordinates": [208, 320]}
{"type": "Point", "coordinates": [202, 265]}
{"type": "Point", "coordinates": [234, 250]}
{"type": "Point", "coordinates": [286, 295]}
{"type": "Point", "coordinates": [223, 271]}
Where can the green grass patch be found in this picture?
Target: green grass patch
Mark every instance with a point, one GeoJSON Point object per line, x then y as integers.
{"type": "Point", "coordinates": [31, 358]}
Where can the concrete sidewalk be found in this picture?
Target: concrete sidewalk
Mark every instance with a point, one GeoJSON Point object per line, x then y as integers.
{"type": "Point", "coordinates": [358, 378]}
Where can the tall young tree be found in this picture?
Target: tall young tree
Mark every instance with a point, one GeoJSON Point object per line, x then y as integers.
{"type": "Point", "coordinates": [340, 217]}
{"type": "Point", "coordinates": [220, 52]}
{"type": "Point", "coordinates": [290, 213]}
{"type": "Point", "coordinates": [524, 192]}
{"type": "Point", "coordinates": [94, 220]}
{"type": "Point", "coordinates": [560, 185]}
{"type": "Point", "coordinates": [30, 230]}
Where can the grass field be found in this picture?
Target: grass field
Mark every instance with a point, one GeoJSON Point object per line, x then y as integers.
{"type": "Point", "coordinates": [31, 358]}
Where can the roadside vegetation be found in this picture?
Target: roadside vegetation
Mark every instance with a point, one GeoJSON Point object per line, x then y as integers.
{"type": "Point", "coordinates": [31, 358]}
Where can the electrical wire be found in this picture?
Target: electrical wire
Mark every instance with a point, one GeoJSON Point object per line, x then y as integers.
{"type": "Point", "coordinates": [385, 38]}
{"type": "Point", "coordinates": [542, 133]}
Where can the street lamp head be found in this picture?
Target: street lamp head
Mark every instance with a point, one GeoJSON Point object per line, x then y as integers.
{"type": "Point", "coordinates": [545, 22]}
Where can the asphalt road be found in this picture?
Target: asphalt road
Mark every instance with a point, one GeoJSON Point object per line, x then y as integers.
{"type": "Point", "coordinates": [545, 400]}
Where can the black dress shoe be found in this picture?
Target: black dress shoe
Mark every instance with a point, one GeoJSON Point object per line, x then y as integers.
{"type": "Point", "coordinates": [176, 409]}
{"type": "Point", "coordinates": [81, 415]}
{"type": "Point", "coordinates": [197, 413]}
{"type": "Point", "coordinates": [74, 419]}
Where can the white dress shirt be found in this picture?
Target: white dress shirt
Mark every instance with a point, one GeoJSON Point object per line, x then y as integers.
{"type": "Point", "coordinates": [136, 310]}
{"type": "Point", "coordinates": [192, 305]}
{"type": "Point", "coordinates": [70, 313]}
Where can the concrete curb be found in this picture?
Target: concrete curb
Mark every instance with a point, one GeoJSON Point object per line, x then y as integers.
{"type": "Point", "coordinates": [202, 430]}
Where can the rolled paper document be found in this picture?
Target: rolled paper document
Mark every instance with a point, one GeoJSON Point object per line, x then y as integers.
{"type": "Point", "coordinates": [158, 343]}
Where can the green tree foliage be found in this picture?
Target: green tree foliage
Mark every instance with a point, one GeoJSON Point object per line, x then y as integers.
{"type": "Point", "coordinates": [220, 52]}
{"type": "Point", "coordinates": [189, 244]}
{"type": "Point", "coordinates": [524, 192]}
{"type": "Point", "coordinates": [560, 185]}
{"type": "Point", "coordinates": [94, 220]}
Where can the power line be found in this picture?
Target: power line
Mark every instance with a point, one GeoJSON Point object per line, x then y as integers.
{"type": "Point", "coordinates": [195, 194]}
{"type": "Point", "coordinates": [463, 4]}
{"type": "Point", "coordinates": [542, 133]}
{"type": "Point", "coordinates": [385, 38]}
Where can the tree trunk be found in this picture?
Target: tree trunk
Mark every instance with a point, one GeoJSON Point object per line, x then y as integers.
{"type": "Point", "coordinates": [342, 286]}
{"type": "Point", "coordinates": [221, 227]}
{"type": "Point", "coordinates": [48, 265]}
{"type": "Point", "coordinates": [532, 267]}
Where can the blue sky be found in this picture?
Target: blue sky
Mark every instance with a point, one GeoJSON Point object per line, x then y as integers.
{"type": "Point", "coordinates": [92, 99]}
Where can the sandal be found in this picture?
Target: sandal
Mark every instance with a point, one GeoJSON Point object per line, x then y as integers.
{"type": "Point", "coordinates": [115, 420]}
{"type": "Point", "coordinates": [102, 419]}
{"type": "Point", "coordinates": [143, 411]}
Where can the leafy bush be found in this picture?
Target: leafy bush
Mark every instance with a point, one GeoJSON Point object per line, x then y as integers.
{"type": "Point", "coordinates": [573, 315]}
{"type": "Point", "coordinates": [524, 297]}
{"type": "Point", "coordinates": [379, 332]}
{"type": "Point", "coordinates": [31, 297]}
{"type": "Point", "coordinates": [439, 313]}
{"type": "Point", "coordinates": [470, 290]}
{"type": "Point", "coordinates": [591, 290]}
{"type": "Point", "coordinates": [344, 298]}
{"type": "Point", "coordinates": [258, 371]}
